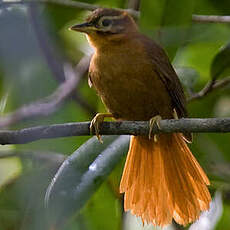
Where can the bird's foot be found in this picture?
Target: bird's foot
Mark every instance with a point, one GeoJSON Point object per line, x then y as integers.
{"type": "Point", "coordinates": [95, 124]}
{"type": "Point", "coordinates": [152, 122]}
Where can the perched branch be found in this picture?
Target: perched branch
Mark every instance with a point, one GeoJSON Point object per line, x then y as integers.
{"type": "Point", "coordinates": [208, 88]}
{"type": "Point", "coordinates": [114, 128]}
{"type": "Point", "coordinates": [210, 19]}
{"type": "Point", "coordinates": [51, 103]}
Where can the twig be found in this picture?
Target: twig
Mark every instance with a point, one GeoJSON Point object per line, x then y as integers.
{"type": "Point", "coordinates": [52, 56]}
{"type": "Point", "coordinates": [90, 7]}
{"type": "Point", "coordinates": [47, 46]}
{"type": "Point", "coordinates": [67, 3]}
{"type": "Point", "coordinates": [114, 128]}
{"type": "Point", "coordinates": [134, 4]}
{"type": "Point", "coordinates": [210, 19]}
{"type": "Point", "coordinates": [208, 88]}
{"type": "Point", "coordinates": [51, 103]}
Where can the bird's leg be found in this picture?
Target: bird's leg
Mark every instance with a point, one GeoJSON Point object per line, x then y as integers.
{"type": "Point", "coordinates": [154, 120]}
{"type": "Point", "coordinates": [95, 123]}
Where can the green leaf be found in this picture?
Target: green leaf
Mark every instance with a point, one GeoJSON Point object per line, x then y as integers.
{"type": "Point", "coordinates": [80, 176]}
{"type": "Point", "coordinates": [220, 66]}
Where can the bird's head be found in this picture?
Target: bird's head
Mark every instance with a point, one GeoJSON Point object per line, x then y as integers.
{"type": "Point", "coordinates": [104, 26]}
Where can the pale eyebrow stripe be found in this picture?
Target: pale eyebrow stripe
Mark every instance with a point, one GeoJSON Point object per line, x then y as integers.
{"type": "Point", "coordinates": [113, 17]}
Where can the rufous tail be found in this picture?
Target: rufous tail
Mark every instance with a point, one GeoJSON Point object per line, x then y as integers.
{"type": "Point", "coordinates": [163, 181]}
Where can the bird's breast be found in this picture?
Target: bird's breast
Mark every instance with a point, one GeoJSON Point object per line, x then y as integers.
{"type": "Point", "coordinates": [128, 86]}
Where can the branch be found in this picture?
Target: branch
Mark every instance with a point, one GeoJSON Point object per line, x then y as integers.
{"type": "Point", "coordinates": [51, 103]}
{"type": "Point", "coordinates": [52, 56]}
{"type": "Point", "coordinates": [114, 128]}
{"type": "Point", "coordinates": [68, 3]}
{"type": "Point", "coordinates": [47, 45]}
{"type": "Point", "coordinates": [210, 19]}
{"type": "Point", "coordinates": [90, 7]}
{"type": "Point", "coordinates": [134, 4]}
{"type": "Point", "coordinates": [208, 88]}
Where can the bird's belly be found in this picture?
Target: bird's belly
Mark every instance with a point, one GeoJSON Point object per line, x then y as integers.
{"type": "Point", "coordinates": [129, 98]}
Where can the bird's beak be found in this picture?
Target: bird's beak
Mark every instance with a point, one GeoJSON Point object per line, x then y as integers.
{"type": "Point", "coordinates": [84, 27]}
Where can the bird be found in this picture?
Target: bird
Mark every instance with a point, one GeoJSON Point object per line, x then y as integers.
{"type": "Point", "coordinates": [161, 181]}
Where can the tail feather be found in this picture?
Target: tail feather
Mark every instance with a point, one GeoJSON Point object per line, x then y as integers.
{"type": "Point", "coordinates": [186, 205]}
{"type": "Point", "coordinates": [162, 180]}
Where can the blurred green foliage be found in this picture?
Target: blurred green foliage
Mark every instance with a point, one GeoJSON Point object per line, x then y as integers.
{"type": "Point", "coordinates": [25, 76]}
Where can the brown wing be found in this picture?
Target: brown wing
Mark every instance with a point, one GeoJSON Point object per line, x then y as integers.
{"type": "Point", "coordinates": [167, 74]}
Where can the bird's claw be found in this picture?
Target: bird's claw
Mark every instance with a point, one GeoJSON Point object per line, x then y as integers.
{"type": "Point", "coordinates": [152, 122]}
{"type": "Point", "coordinates": [95, 124]}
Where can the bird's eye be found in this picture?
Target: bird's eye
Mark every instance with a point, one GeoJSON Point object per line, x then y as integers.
{"type": "Point", "coordinates": [106, 22]}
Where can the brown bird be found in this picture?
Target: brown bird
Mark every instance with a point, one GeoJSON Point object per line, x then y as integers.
{"type": "Point", "coordinates": [135, 80]}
